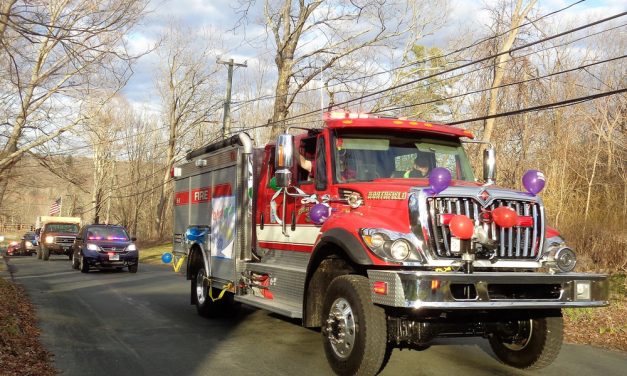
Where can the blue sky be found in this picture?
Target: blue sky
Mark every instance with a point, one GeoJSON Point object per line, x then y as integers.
{"type": "Point", "coordinates": [210, 18]}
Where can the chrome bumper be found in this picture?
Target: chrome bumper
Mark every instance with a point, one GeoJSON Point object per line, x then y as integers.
{"type": "Point", "coordinates": [432, 290]}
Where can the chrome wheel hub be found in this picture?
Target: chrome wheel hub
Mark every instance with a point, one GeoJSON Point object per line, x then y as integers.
{"type": "Point", "coordinates": [201, 287]}
{"type": "Point", "coordinates": [340, 328]}
{"type": "Point", "coordinates": [522, 337]}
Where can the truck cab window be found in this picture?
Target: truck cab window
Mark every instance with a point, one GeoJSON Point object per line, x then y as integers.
{"type": "Point", "coordinates": [321, 166]}
{"type": "Point", "coordinates": [306, 150]}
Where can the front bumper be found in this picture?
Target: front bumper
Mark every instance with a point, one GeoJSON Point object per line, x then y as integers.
{"type": "Point", "coordinates": [56, 249]}
{"type": "Point", "coordinates": [433, 290]}
{"type": "Point", "coordinates": [105, 260]}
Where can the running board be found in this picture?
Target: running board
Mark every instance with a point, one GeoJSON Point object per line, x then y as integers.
{"type": "Point", "coordinates": [291, 310]}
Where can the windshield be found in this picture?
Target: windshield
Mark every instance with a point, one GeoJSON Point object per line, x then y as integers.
{"type": "Point", "coordinates": [61, 227]}
{"type": "Point", "coordinates": [106, 233]}
{"type": "Point", "coordinates": [368, 156]}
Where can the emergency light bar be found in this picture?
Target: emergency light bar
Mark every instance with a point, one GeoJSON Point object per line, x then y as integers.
{"type": "Point", "coordinates": [347, 115]}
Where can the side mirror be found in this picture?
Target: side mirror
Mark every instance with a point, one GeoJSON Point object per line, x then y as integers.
{"type": "Point", "coordinates": [489, 165]}
{"type": "Point", "coordinates": [283, 160]}
{"type": "Point", "coordinates": [284, 153]}
{"type": "Point", "coordinates": [133, 239]}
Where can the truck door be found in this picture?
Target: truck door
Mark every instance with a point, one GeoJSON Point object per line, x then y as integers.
{"type": "Point", "coordinates": [301, 233]}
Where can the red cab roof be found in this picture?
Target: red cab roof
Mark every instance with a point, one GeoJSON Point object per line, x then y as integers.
{"type": "Point", "coordinates": [346, 120]}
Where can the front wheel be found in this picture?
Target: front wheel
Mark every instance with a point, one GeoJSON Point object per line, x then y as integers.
{"type": "Point", "coordinates": [354, 330]}
{"type": "Point", "coordinates": [39, 254]}
{"type": "Point", "coordinates": [206, 307]}
{"type": "Point", "coordinates": [133, 268]}
{"type": "Point", "coordinates": [84, 265]}
{"type": "Point", "coordinates": [46, 254]}
{"type": "Point", "coordinates": [529, 344]}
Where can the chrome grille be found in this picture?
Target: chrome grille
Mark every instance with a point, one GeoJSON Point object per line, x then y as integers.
{"type": "Point", "coordinates": [513, 243]}
{"type": "Point", "coordinates": [64, 240]}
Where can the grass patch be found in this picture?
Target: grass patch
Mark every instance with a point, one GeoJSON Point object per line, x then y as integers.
{"type": "Point", "coordinates": [618, 286]}
{"type": "Point", "coordinates": [152, 255]}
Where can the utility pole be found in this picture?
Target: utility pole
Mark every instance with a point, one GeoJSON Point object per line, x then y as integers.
{"type": "Point", "coordinates": [226, 119]}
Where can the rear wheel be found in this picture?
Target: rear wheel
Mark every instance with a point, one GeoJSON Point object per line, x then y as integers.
{"type": "Point", "coordinates": [206, 307]}
{"type": "Point", "coordinates": [46, 254]}
{"type": "Point", "coordinates": [84, 265]}
{"type": "Point", "coordinates": [529, 344]}
{"type": "Point", "coordinates": [354, 332]}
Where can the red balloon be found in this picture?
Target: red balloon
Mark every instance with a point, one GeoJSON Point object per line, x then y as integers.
{"type": "Point", "coordinates": [462, 227]}
{"type": "Point", "coordinates": [505, 217]}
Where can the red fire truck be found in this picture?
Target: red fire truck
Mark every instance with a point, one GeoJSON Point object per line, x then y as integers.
{"type": "Point", "coordinates": [336, 226]}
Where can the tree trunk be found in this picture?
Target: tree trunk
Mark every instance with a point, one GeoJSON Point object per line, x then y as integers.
{"type": "Point", "coordinates": [499, 69]}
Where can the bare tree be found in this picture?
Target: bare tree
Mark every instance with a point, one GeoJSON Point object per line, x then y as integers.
{"type": "Point", "coordinates": [518, 15]}
{"type": "Point", "coordinates": [187, 84]}
{"type": "Point", "coordinates": [312, 36]}
{"type": "Point", "coordinates": [53, 55]}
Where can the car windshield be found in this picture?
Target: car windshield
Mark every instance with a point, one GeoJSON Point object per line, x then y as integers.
{"type": "Point", "coordinates": [61, 227]}
{"type": "Point", "coordinates": [369, 156]}
{"type": "Point", "coordinates": [30, 236]}
{"type": "Point", "coordinates": [106, 233]}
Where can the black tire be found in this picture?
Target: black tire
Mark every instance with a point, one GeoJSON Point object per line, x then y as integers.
{"type": "Point", "coordinates": [529, 344]}
{"type": "Point", "coordinates": [133, 268]}
{"type": "Point", "coordinates": [46, 254]}
{"type": "Point", "coordinates": [84, 265]}
{"type": "Point", "coordinates": [348, 313]}
{"type": "Point", "coordinates": [39, 254]}
{"type": "Point", "coordinates": [75, 264]}
{"type": "Point", "coordinates": [224, 307]}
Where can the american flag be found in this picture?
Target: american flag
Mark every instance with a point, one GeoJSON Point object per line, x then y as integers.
{"type": "Point", "coordinates": [55, 208]}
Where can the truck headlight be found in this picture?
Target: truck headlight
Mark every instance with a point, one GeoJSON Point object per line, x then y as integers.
{"type": "Point", "coordinates": [560, 258]}
{"type": "Point", "coordinates": [29, 244]}
{"type": "Point", "coordinates": [400, 250]}
{"type": "Point", "coordinates": [565, 259]}
{"type": "Point", "coordinates": [92, 247]}
{"type": "Point", "coordinates": [49, 239]}
{"type": "Point", "coordinates": [392, 246]}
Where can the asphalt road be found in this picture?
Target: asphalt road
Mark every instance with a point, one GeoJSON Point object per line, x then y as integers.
{"type": "Point", "coordinates": [117, 323]}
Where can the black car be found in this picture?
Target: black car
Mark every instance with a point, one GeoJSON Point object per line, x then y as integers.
{"type": "Point", "coordinates": [29, 244]}
{"type": "Point", "coordinates": [104, 247]}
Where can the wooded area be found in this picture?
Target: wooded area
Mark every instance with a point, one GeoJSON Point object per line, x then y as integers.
{"type": "Point", "coordinates": [547, 91]}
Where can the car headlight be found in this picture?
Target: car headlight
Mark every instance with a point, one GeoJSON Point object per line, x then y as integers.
{"type": "Point", "coordinates": [92, 247]}
{"type": "Point", "coordinates": [392, 246]}
{"type": "Point", "coordinates": [49, 239]}
{"type": "Point", "coordinates": [131, 247]}
{"type": "Point", "coordinates": [29, 244]}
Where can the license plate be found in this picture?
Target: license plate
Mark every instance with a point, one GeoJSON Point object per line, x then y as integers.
{"type": "Point", "coordinates": [455, 245]}
{"type": "Point", "coordinates": [114, 257]}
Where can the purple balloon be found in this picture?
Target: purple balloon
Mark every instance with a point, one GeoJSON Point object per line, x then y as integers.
{"type": "Point", "coordinates": [440, 179]}
{"type": "Point", "coordinates": [319, 213]}
{"type": "Point", "coordinates": [533, 181]}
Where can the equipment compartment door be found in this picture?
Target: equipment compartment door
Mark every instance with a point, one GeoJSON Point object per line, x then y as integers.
{"type": "Point", "coordinates": [224, 223]}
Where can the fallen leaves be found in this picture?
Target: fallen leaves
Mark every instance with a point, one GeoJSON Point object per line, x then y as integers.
{"type": "Point", "coordinates": [604, 327]}
{"type": "Point", "coordinates": [21, 353]}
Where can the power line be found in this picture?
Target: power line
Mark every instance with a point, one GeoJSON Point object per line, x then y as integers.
{"type": "Point", "coordinates": [511, 50]}
{"type": "Point", "coordinates": [567, 102]}
{"type": "Point", "coordinates": [426, 60]}
{"type": "Point", "coordinates": [501, 86]}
